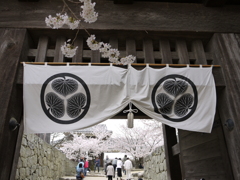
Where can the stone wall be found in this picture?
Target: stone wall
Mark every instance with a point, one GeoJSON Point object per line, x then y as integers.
{"type": "Point", "coordinates": [40, 161]}
{"type": "Point", "coordinates": [155, 165]}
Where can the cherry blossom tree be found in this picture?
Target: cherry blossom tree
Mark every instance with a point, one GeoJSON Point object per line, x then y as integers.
{"type": "Point", "coordinates": [140, 140]}
{"type": "Point", "coordinates": [93, 140]}
{"type": "Point", "coordinates": [137, 142]}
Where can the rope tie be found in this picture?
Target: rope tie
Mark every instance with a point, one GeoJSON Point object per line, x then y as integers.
{"type": "Point", "coordinates": [130, 109]}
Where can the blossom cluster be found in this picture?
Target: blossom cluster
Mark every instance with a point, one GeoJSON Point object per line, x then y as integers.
{"type": "Point", "coordinates": [88, 13]}
{"type": "Point", "coordinates": [68, 49]}
{"type": "Point", "coordinates": [60, 20]}
{"type": "Point", "coordinates": [108, 52]}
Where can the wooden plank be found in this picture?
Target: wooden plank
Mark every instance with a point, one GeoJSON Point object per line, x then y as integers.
{"type": "Point", "coordinates": [181, 48]}
{"type": "Point", "coordinates": [198, 149]}
{"type": "Point", "coordinates": [17, 151]}
{"type": "Point", "coordinates": [209, 177]}
{"type": "Point", "coordinates": [95, 55]}
{"type": "Point", "coordinates": [133, 64]}
{"type": "Point", "coordinates": [40, 57]}
{"type": "Point", "coordinates": [183, 133]}
{"type": "Point", "coordinates": [148, 51]}
{"type": "Point", "coordinates": [14, 48]}
{"type": "Point", "coordinates": [190, 140]}
{"type": "Point", "coordinates": [226, 48]}
{"type": "Point", "coordinates": [172, 162]}
{"type": "Point", "coordinates": [113, 42]}
{"type": "Point", "coordinates": [131, 47]}
{"type": "Point", "coordinates": [165, 51]}
{"type": "Point", "coordinates": [214, 3]}
{"type": "Point", "coordinates": [123, 1]}
{"type": "Point", "coordinates": [42, 49]}
{"type": "Point", "coordinates": [175, 149]}
{"type": "Point", "coordinates": [28, 0]}
{"type": "Point", "coordinates": [212, 166]}
{"type": "Point", "coordinates": [167, 150]}
{"type": "Point", "coordinates": [155, 16]}
{"type": "Point", "coordinates": [138, 54]}
{"type": "Point", "coordinates": [202, 152]}
{"type": "Point", "coordinates": [223, 149]}
{"type": "Point", "coordinates": [79, 53]}
{"type": "Point", "coordinates": [58, 56]}
{"type": "Point", "coordinates": [197, 48]}
{"type": "Point", "coordinates": [218, 77]}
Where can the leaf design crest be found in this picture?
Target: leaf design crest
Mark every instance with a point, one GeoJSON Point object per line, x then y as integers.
{"type": "Point", "coordinates": [64, 86]}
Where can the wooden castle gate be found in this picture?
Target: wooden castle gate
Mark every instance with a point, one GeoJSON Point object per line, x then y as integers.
{"type": "Point", "coordinates": [191, 155]}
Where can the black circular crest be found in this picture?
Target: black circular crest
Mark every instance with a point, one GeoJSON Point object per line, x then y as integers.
{"type": "Point", "coordinates": [61, 99]}
{"type": "Point", "coordinates": [175, 100]}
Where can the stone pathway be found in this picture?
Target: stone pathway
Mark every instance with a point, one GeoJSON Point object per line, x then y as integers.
{"type": "Point", "coordinates": [97, 176]}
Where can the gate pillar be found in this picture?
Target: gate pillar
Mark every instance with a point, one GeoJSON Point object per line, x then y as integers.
{"type": "Point", "coordinates": [226, 48]}
{"type": "Point", "coordinates": [12, 50]}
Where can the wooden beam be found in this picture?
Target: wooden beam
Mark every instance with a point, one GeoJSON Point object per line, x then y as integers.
{"type": "Point", "coordinates": [123, 1]}
{"type": "Point", "coordinates": [155, 16]}
{"type": "Point", "coordinates": [131, 47]}
{"type": "Point", "coordinates": [28, 0]}
{"type": "Point", "coordinates": [79, 53]}
{"type": "Point", "coordinates": [13, 49]}
{"type": "Point", "coordinates": [42, 49]}
{"type": "Point", "coordinates": [17, 152]}
{"type": "Point", "coordinates": [181, 48]}
{"type": "Point", "coordinates": [148, 51]}
{"type": "Point", "coordinates": [58, 56]}
{"type": "Point", "coordinates": [227, 51]}
{"type": "Point", "coordinates": [175, 149]}
{"type": "Point", "coordinates": [165, 50]}
{"type": "Point", "coordinates": [172, 162]}
{"type": "Point", "coordinates": [198, 50]}
{"type": "Point", "coordinates": [95, 55]}
{"type": "Point", "coordinates": [214, 3]}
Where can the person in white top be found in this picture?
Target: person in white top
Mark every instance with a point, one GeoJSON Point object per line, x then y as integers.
{"type": "Point", "coordinates": [110, 171]}
{"type": "Point", "coordinates": [128, 166]}
{"type": "Point", "coordinates": [119, 168]}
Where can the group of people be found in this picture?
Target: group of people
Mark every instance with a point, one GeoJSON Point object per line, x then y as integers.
{"type": "Point", "coordinates": [111, 167]}
{"type": "Point", "coordinates": [119, 165]}
{"type": "Point", "coordinates": [82, 168]}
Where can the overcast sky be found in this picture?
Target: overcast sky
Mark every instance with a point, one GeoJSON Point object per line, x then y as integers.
{"type": "Point", "coordinates": [113, 124]}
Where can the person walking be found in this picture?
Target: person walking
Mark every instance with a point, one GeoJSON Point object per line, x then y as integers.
{"type": "Point", "coordinates": [128, 166]}
{"type": "Point", "coordinates": [106, 162]}
{"type": "Point", "coordinates": [97, 164]}
{"type": "Point", "coordinates": [110, 171]}
{"type": "Point", "coordinates": [119, 168]}
{"type": "Point", "coordinates": [86, 165]}
{"type": "Point", "coordinates": [114, 163]}
{"type": "Point", "coordinates": [80, 169]}
{"type": "Point", "coordinates": [124, 159]}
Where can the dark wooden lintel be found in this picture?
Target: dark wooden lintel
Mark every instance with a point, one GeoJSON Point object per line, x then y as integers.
{"type": "Point", "coordinates": [28, 0]}
{"type": "Point", "coordinates": [123, 1]}
{"type": "Point", "coordinates": [155, 16]}
{"type": "Point", "coordinates": [214, 3]}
